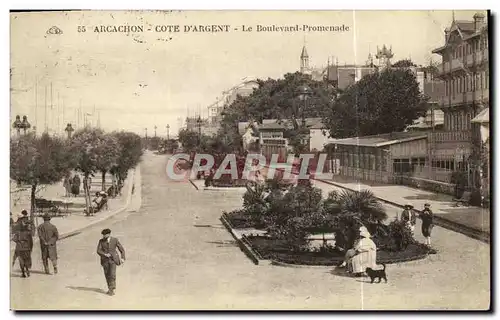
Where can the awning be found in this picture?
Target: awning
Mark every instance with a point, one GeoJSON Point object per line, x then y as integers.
{"type": "Point", "coordinates": [482, 117]}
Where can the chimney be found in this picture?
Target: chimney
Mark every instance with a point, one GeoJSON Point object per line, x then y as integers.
{"type": "Point", "coordinates": [478, 21]}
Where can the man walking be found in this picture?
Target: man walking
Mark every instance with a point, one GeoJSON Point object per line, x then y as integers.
{"type": "Point", "coordinates": [106, 249]}
{"type": "Point", "coordinates": [48, 234]}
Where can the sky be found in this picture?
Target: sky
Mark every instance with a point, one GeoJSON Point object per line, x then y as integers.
{"type": "Point", "coordinates": [135, 81]}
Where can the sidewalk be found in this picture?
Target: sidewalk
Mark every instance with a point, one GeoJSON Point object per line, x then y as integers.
{"type": "Point", "coordinates": [441, 205]}
{"type": "Point", "coordinates": [77, 221]}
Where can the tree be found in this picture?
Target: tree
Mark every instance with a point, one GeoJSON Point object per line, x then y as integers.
{"type": "Point", "coordinates": [130, 153]}
{"type": "Point", "coordinates": [405, 63]}
{"type": "Point", "coordinates": [352, 209]}
{"type": "Point", "coordinates": [278, 99]}
{"type": "Point", "coordinates": [86, 145]}
{"type": "Point", "coordinates": [189, 139]}
{"type": "Point", "coordinates": [379, 103]}
{"type": "Point", "coordinates": [38, 160]}
{"type": "Point", "coordinates": [108, 152]}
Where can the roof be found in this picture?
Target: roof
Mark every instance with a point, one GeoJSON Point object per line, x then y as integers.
{"type": "Point", "coordinates": [243, 127]}
{"type": "Point", "coordinates": [274, 124]}
{"type": "Point", "coordinates": [381, 139]}
{"type": "Point", "coordinates": [304, 52]}
{"type": "Point", "coordinates": [467, 28]}
{"type": "Point", "coordinates": [482, 117]}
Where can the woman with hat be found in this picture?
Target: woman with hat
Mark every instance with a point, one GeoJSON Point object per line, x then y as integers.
{"type": "Point", "coordinates": [427, 225]}
{"type": "Point", "coordinates": [362, 255]}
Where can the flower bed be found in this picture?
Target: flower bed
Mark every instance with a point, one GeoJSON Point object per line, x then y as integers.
{"type": "Point", "coordinates": [274, 249]}
{"type": "Point", "coordinates": [241, 220]}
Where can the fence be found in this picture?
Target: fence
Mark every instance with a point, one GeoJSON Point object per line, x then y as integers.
{"type": "Point", "coordinates": [432, 173]}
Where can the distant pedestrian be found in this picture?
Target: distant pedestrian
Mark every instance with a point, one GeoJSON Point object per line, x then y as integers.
{"type": "Point", "coordinates": [427, 223]}
{"type": "Point", "coordinates": [75, 185]}
{"type": "Point", "coordinates": [67, 185]}
{"type": "Point", "coordinates": [409, 217]}
{"type": "Point", "coordinates": [11, 222]}
{"type": "Point", "coordinates": [24, 245]}
{"type": "Point", "coordinates": [107, 250]}
{"type": "Point", "coordinates": [48, 234]}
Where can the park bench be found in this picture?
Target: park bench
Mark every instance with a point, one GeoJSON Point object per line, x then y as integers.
{"type": "Point", "coordinates": [464, 200]}
{"type": "Point", "coordinates": [51, 207]}
{"type": "Point", "coordinates": [98, 205]}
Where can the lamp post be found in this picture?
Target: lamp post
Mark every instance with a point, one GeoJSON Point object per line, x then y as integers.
{"type": "Point", "coordinates": [304, 93]}
{"type": "Point", "coordinates": [155, 130]}
{"type": "Point", "coordinates": [17, 125]}
{"type": "Point", "coordinates": [25, 125]}
{"type": "Point", "coordinates": [198, 122]}
{"type": "Point", "coordinates": [168, 132]}
{"type": "Point", "coordinates": [69, 130]}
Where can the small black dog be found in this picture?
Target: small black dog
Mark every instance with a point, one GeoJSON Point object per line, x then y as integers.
{"type": "Point", "coordinates": [374, 274]}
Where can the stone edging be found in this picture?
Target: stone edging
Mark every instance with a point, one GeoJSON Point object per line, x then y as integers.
{"type": "Point", "coordinates": [244, 246]}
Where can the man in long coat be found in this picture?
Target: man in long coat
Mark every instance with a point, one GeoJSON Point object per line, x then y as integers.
{"type": "Point", "coordinates": [24, 245]}
{"type": "Point", "coordinates": [48, 234]}
{"type": "Point", "coordinates": [107, 250]}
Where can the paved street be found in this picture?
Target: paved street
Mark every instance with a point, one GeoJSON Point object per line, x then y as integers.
{"type": "Point", "coordinates": [180, 257]}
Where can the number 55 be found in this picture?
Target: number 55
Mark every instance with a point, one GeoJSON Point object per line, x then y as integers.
{"type": "Point", "coordinates": [81, 29]}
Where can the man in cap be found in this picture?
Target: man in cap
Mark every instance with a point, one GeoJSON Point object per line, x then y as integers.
{"type": "Point", "coordinates": [409, 217]}
{"type": "Point", "coordinates": [48, 234]}
{"type": "Point", "coordinates": [107, 250]}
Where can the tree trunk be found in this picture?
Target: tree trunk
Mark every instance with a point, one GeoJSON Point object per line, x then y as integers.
{"type": "Point", "coordinates": [32, 200]}
{"type": "Point", "coordinates": [103, 181]}
{"type": "Point", "coordinates": [86, 190]}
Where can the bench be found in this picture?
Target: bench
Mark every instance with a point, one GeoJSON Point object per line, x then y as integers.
{"type": "Point", "coordinates": [464, 200]}
{"type": "Point", "coordinates": [53, 208]}
{"type": "Point", "coordinates": [98, 205]}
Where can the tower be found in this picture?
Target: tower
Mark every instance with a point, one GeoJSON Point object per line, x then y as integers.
{"type": "Point", "coordinates": [384, 56]}
{"type": "Point", "coordinates": [304, 60]}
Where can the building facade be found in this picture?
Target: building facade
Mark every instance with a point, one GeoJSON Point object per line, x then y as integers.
{"type": "Point", "coordinates": [465, 72]}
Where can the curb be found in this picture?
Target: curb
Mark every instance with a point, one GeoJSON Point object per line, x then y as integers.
{"type": "Point", "coordinates": [249, 252]}
{"type": "Point", "coordinates": [438, 220]}
{"type": "Point", "coordinates": [194, 185]}
{"type": "Point", "coordinates": [117, 211]}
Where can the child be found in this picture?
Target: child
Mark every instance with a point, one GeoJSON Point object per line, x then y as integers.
{"type": "Point", "coordinates": [427, 225]}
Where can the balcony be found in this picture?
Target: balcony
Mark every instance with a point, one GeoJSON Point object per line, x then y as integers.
{"type": "Point", "coordinates": [449, 136]}
{"type": "Point", "coordinates": [457, 64]}
{"type": "Point", "coordinates": [469, 60]}
{"type": "Point", "coordinates": [458, 98]}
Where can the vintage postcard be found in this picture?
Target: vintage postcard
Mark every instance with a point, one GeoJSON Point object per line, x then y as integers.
{"type": "Point", "coordinates": [250, 160]}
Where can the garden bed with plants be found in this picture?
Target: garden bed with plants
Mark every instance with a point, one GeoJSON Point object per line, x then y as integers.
{"type": "Point", "coordinates": [278, 250]}
{"type": "Point", "coordinates": [290, 215]}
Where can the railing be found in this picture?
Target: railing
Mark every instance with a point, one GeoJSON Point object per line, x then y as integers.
{"type": "Point", "coordinates": [433, 173]}
{"type": "Point", "coordinates": [445, 136]}
{"type": "Point", "coordinates": [470, 60]}
{"type": "Point", "coordinates": [457, 64]}
{"type": "Point", "coordinates": [458, 98]}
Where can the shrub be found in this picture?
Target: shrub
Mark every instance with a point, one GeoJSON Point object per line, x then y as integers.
{"type": "Point", "coordinates": [400, 234]}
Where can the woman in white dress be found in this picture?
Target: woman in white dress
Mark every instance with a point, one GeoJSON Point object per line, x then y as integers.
{"type": "Point", "coordinates": [362, 255]}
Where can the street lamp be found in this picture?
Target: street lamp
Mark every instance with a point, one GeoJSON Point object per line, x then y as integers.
{"type": "Point", "coordinates": [304, 93]}
{"type": "Point", "coordinates": [25, 125]}
{"type": "Point", "coordinates": [17, 125]}
{"type": "Point", "coordinates": [69, 130]}
{"type": "Point", "coordinates": [198, 121]}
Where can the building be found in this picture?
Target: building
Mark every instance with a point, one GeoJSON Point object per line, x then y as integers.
{"type": "Point", "coordinates": [380, 158]}
{"type": "Point", "coordinates": [243, 89]}
{"type": "Point", "coordinates": [465, 72]}
{"type": "Point", "coordinates": [273, 140]}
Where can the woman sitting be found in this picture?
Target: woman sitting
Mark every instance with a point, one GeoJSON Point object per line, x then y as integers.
{"type": "Point", "coordinates": [362, 255]}
{"type": "Point", "coordinates": [99, 201]}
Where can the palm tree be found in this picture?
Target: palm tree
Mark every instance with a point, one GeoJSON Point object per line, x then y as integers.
{"type": "Point", "coordinates": [350, 210]}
